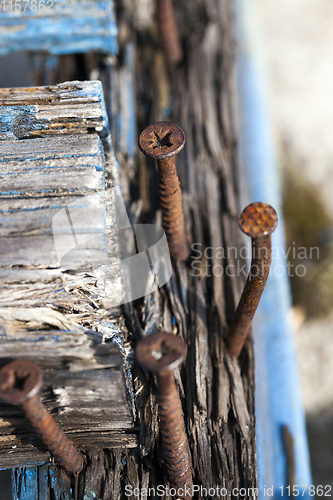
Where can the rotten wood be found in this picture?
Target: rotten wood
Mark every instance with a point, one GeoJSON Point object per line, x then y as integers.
{"type": "Point", "coordinates": [217, 392]}
{"type": "Point", "coordinates": [56, 228]}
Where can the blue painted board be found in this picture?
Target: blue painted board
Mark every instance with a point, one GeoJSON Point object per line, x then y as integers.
{"type": "Point", "coordinates": [57, 26]}
{"type": "Point", "coordinates": [67, 108]}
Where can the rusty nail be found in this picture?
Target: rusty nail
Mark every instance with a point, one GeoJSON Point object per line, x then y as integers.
{"type": "Point", "coordinates": [169, 33]}
{"type": "Point", "coordinates": [162, 141]}
{"type": "Point", "coordinates": [160, 353]}
{"type": "Point", "coordinates": [257, 220]}
{"type": "Point", "coordinates": [20, 382]}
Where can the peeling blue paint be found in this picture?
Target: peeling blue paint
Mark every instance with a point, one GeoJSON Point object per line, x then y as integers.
{"type": "Point", "coordinates": [52, 207]}
{"type": "Point", "coordinates": [65, 28]}
{"type": "Point", "coordinates": [26, 488]}
{"type": "Point", "coordinates": [123, 123]}
{"type": "Point", "coordinates": [21, 195]}
{"type": "Point", "coordinates": [53, 167]}
{"type": "Point", "coordinates": [17, 122]}
{"type": "Point", "coordinates": [131, 141]}
{"type": "Point", "coordinates": [54, 157]}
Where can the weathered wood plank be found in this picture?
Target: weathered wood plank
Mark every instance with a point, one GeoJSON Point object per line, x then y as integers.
{"type": "Point", "coordinates": [42, 221]}
{"type": "Point", "coordinates": [83, 385]}
{"type": "Point", "coordinates": [67, 108]}
{"type": "Point", "coordinates": [217, 393]}
{"type": "Point", "coordinates": [58, 27]}
{"type": "Point", "coordinates": [55, 236]}
{"type": "Point", "coordinates": [199, 300]}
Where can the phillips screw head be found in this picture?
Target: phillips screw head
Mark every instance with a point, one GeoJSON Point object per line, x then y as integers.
{"type": "Point", "coordinates": [161, 140]}
{"type": "Point", "coordinates": [160, 351]}
{"type": "Point", "coordinates": [19, 380]}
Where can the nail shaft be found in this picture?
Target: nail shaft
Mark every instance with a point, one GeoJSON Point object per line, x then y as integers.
{"type": "Point", "coordinates": [257, 220]}
{"type": "Point", "coordinates": [20, 382]}
{"type": "Point", "coordinates": [169, 33]}
{"type": "Point", "coordinates": [162, 141]}
{"type": "Point", "coordinates": [160, 353]}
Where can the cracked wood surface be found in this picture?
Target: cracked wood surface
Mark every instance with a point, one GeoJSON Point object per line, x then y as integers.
{"type": "Point", "coordinates": [217, 392]}
{"type": "Point", "coordinates": [54, 228]}
{"type": "Point", "coordinates": [67, 108]}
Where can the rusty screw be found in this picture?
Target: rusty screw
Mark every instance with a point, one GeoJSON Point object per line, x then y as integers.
{"type": "Point", "coordinates": [257, 220]}
{"type": "Point", "coordinates": [162, 141]}
{"type": "Point", "coordinates": [160, 353]}
{"type": "Point", "coordinates": [20, 382]}
{"type": "Point", "coordinates": [169, 33]}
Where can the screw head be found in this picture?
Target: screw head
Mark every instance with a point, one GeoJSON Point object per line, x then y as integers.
{"type": "Point", "coordinates": [19, 381]}
{"type": "Point", "coordinates": [258, 220]}
{"type": "Point", "coordinates": [160, 351]}
{"type": "Point", "coordinates": [161, 140]}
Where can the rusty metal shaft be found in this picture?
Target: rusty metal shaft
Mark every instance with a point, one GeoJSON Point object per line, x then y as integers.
{"type": "Point", "coordinates": [53, 437]}
{"type": "Point", "coordinates": [169, 33]}
{"type": "Point", "coordinates": [173, 435]}
{"type": "Point", "coordinates": [20, 382]}
{"type": "Point", "coordinates": [172, 209]}
{"type": "Point", "coordinates": [161, 353]}
{"type": "Point", "coordinates": [249, 301]}
{"type": "Point", "coordinates": [162, 141]}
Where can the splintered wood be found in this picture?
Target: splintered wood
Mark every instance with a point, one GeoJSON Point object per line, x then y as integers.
{"type": "Point", "coordinates": [53, 251]}
{"type": "Point", "coordinates": [199, 300]}
{"type": "Point", "coordinates": [68, 108]}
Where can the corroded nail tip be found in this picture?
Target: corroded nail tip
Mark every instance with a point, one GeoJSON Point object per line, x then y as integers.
{"type": "Point", "coordinates": [160, 351]}
{"type": "Point", "coordinates": [19, 380]}
{"type": "Point", "coordinates": [161, 140]}
{"type": "Point", "coordinates": [258, 219]}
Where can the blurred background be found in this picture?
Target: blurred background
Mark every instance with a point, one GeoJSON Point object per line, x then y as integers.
{"type": "Point", "coordinates": [298, 52]}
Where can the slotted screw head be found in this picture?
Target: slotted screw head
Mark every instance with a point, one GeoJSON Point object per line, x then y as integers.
{"type": "Point", "coordinates": [161, 140]}
{"type": "Point", "coordinates": [19, 381]}
{"type": "Point", "coordinates": [258, 220]}
{"type": "Point", "coordinates": [160, 351]}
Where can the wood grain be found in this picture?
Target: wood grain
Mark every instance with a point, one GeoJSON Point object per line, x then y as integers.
{"type": "Point", "coordinates": [217, 392]}
{"type": "Point", "coordinates": [199, 300]}
{"type": "Point", "coordinates": [83, 389]}
{"type": "Point", "coordinates": [41, 177]}
{"type": "Point", "coordinates": [66, 108]}
{"type": "Point", "coordinates": [53, 254]}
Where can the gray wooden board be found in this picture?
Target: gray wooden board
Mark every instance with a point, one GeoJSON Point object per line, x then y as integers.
{"type": "Point", "coordinates": [217, 392]}
{"type": "Point", "coordinates": [83, 388]}
{"type": "Point", "coordinates": [54, 239]}
{"type": "Point", "coordinates": [41, 177]}
{"type": "Point", "coordinates": [66, 108]}
{"type": "Point", "coordinates": [84, 385]}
